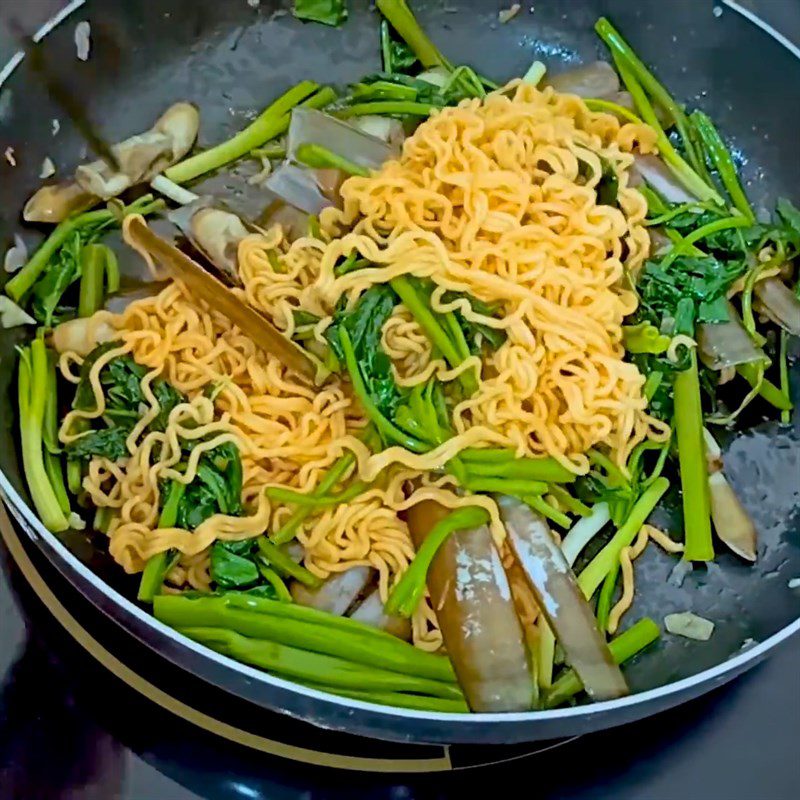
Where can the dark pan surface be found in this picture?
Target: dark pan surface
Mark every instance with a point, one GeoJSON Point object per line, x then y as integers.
{"type": "Point", "coordinates": [233, 60]}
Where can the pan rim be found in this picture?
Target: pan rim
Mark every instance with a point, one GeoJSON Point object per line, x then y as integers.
{"type": "Point", "coordinates": [34, 528]}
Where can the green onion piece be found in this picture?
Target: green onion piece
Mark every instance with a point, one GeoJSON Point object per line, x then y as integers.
{"type": "Point", "coordinates": [284, 564]}
{"type": "Point", "coordinates": [408, 591]}
{"type": "Point", "coordinates": [623, 647]}
{"type": "Point", "coordinates": [597, 569]}
{"type": "Point", "coordinates": [693, 465]}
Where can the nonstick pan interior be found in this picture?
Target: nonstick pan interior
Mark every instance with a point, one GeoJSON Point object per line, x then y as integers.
{"type": "Point", "coordinates": [232, 60]}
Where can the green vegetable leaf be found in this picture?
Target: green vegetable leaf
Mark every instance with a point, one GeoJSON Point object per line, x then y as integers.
{"type": "Point", "coordinates": [106, 442]}
{"type": "Point", "coordinates": [364, 324]}
{"type": "Point", "coordinates": [233, 565]}
{"type": "Point", "coordinates": [216, 489]}
{"type": "Point", "coordinates": [328, 12]}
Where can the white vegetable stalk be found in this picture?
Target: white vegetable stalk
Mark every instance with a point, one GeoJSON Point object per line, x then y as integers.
{"type": "Point", "coordinates": [583, 531]}
{"type": "Point", "coordinates": [535, 73]}
{"type": "Point", "coordinates": [172, 191]}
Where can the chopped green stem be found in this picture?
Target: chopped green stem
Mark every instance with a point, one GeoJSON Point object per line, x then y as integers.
{"type": "Point", "coordinates": [271, 123]}
{"type": "Point", "coordinates": [290, 497]}
{"type": "Point", "coordinates": [302, 665]}
{"type": "Point", "coordinates": [623, 647]}
{"type": "Point", "coordinates": [701, 233]}
{"type": "Point", "coordinates": [318, 157]}
{"type": "Point", "coordinates": [270, 151]}
{"type": "Point", "coordinates": [408, 591]}
{"type": "Point", "coordinates": [276, 582]}
{"type": "Point", "coordinates": [682, 171]}
{"type": "Point", "coordinates": [353, 645]}
{"type": "Point", "coordinates": [401, 18]}
{"type": "Point", "coordinates": [693, 465]}
{"type": "Point", "coordinates": [102, 519]}
{"type": "Point", "coordinates": [532, 469]}
{"type": "Point", "coordinates": [723, 163]}
{"type": "Point", "coordinates": [75, 474]}
{"type": "Point", "coordinates": [32, 395]}
{"type": "Point", "coordinates": [384, 426]}
{"type": "Point", "coordinates": [621, 50]}
{"type": "Point", "coordinates": [517, 488]}
{"type": "Point", "coordinates": [768, 390]}
{"type": "Point", "coordinates": [158, 565]}
{"type": "Point", "coordinates": [400, 700]}
{"type": "Point", "coordinates": [429, 321]}
{"type": "Point", "coordinates": [597, 569]}
{"type": "Point", "coordinates": [386, 46]}
{"type": "Point", "coordinates": [651, 384]}
{"type": "Point", "coordinates": [545, 656]}
{"type": "Point", "coordinates": [606, 598]}
{"type": "Point", "coordinates": [112, 271]}
{"type": "Point", "coordinates": [93, 268]}
{"type": "Point", "coordinates": [608, 107]}
{"type": "Point", "coordinates": [614, 473]}
{"type": "Point", "coordinates": [52, 458]}
{"type": "Point", "coordinates": [487, 455]}
{"type": "Point", "coordinates": [668, 216]}
{"type": "Point", "coordinates": [783, 366]}
{"type": "Point", "coordinates": [334, 475]}
{"type": "Point", "coordinates": [572, 504]}
{"type": "Point", "coordinates": [541, 506]}
{"type": "Point", "coordinates": [284, 564]}
{"type": "Point", "coordinates": [386, 108]}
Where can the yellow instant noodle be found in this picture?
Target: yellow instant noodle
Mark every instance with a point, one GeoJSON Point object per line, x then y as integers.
{"type": "Point", "coordinates": [494, 198]}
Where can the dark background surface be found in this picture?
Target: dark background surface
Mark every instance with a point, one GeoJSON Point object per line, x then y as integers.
{"type": "Point", "coordinates": [70, 730]}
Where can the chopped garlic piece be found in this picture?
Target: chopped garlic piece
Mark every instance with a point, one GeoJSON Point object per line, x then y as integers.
{"type": "Point", "coordinates": [689, 625]}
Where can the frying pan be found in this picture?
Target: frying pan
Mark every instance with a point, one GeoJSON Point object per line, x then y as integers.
{"type": "Point", "coordinates": [232, 59]}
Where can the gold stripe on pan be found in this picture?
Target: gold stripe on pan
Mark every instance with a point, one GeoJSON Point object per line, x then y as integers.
{"type": "Point", "coordinates": [181, 709]}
